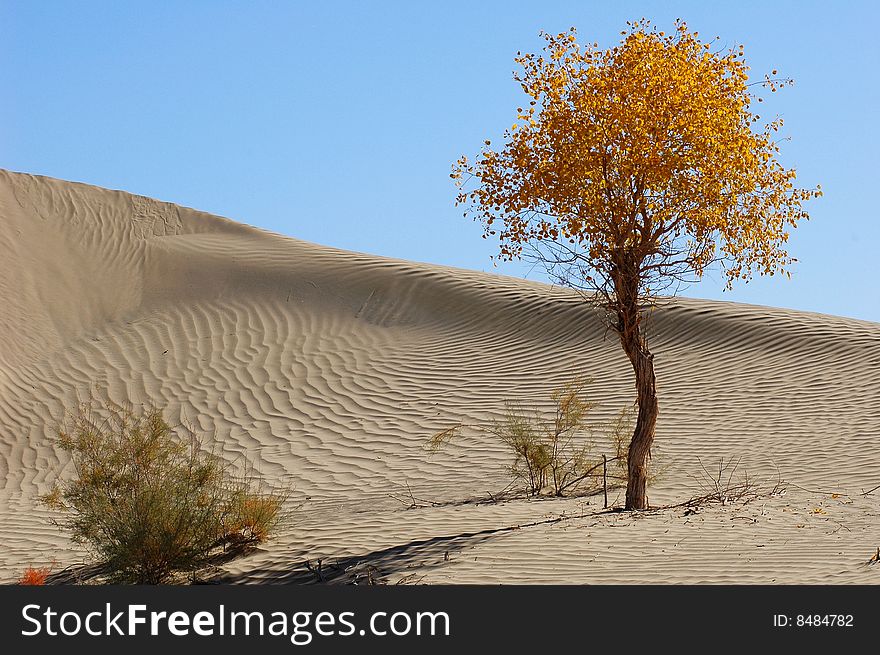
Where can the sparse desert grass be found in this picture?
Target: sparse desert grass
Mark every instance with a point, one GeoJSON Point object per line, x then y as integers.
{"type": "Point", "coordinates": [149, 502]}
{"type": "Point", "coordinates": [561, 454]}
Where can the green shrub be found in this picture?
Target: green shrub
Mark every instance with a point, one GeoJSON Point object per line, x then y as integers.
{"type": "Point", "coordinates": [149, 503]}
{"type": "Point", "coordinates": [561, 454]}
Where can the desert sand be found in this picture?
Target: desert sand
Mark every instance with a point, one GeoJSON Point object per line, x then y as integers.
{"type": "Point", "coordinates": [330, 369]}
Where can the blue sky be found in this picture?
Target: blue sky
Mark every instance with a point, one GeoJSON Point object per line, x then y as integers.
{"type": "Point", "coordinates": [337, 122]}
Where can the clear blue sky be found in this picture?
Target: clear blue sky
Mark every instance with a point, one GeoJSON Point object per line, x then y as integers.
{"type": "Point", "coordinates": [338, 122]}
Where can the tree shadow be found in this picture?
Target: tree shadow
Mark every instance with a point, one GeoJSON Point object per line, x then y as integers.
{"type": "Point", "coordinates": [411, 559]}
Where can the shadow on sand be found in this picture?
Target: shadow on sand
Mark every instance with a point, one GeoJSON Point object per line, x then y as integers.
{"type": "Point", "coordinates": [401, 564]}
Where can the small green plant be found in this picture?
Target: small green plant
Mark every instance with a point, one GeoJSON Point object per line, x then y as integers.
{"type": "Point", "coordinates": [148, 502]}
{"type": "Point", "coordinates": [562, 454]}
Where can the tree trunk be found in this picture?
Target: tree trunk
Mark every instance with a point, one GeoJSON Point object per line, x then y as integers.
{"type": "Point", "coordinates": [629, 329]}
{"type": "Point", "coordinates": [643, 435]}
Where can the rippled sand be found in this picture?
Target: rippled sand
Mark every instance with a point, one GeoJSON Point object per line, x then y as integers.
{"type": "Point", "coordinates": [331, 368]}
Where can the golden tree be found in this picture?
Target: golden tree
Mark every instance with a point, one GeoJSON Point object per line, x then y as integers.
{"type": "Point", "coordinates": [631, 171]}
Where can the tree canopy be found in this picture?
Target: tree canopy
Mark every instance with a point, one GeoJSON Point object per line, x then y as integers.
{"type": "Point", "coordinates": [650, 150]}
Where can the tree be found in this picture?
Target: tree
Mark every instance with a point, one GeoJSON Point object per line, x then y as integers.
{"type": "Point", "coordinates": [632, 170]}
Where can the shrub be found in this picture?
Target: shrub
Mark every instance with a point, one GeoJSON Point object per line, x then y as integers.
{"type": "Point", "coordinates": [149, 503]}
{"type": "Point", "coordinates": [34, 576]}
{"type": "Point", "coordinates": [561, 454]}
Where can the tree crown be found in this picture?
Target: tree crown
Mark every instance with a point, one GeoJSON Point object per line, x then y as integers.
{"type": "Point", "coordinates": [645, 158]}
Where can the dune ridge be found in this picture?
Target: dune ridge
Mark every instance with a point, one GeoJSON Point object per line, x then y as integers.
{"type": "Point", "coordinates": [331, 368]}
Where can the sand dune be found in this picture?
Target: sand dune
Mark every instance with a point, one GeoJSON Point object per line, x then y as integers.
{"type": "Point", "coordinates": [331, 368]}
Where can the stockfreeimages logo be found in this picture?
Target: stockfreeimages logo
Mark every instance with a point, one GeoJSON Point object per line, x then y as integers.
{"type": "Point", "coordinates": [300, 627]}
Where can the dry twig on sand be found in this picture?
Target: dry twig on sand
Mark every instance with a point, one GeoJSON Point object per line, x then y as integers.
{"type": "Point", "coordinates": [724, 486]}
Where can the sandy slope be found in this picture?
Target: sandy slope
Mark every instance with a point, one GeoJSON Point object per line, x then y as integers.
{"type": "Point", "coordinates": [330, 368]}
